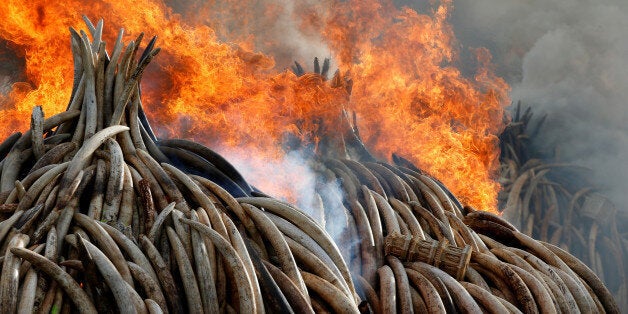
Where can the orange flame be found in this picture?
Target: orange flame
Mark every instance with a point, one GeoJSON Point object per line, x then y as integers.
{"type": "Point", "coordinates": [409, 97]}
{"type": "Point", "coordinates": [413, 102]}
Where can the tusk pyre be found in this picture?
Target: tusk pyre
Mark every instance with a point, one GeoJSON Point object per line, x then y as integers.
{"type": "Point", "coordinates": [99, 215]}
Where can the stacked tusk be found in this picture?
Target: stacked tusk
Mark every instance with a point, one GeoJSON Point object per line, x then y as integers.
{"type": "Point", "coordinates": [126, 227]}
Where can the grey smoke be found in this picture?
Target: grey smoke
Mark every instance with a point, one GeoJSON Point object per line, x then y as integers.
{"type": "Point", "coordinates": [279, 34]}
{"type": "Point", "coordinates": [293, 178]}
{"type": "Point", "coordinates": [567, 59]}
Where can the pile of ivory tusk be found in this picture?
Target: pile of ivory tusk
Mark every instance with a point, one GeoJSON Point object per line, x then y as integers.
{"type": "Point", "coordinates": [538, 200]}
{"type": "Point", "coordinates": [412, 247]}
{"type": "Point", "coordinates": [98, 215]}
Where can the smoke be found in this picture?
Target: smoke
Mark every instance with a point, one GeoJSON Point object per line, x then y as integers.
{"type": "Point", "coordinates": [567, 59]}
{"type": "Point", "coordinates": [283, 29]}
{"type": "Point", "coordinates": [292, 178]}
{"type": "Point", "coordinates": [10, 68]}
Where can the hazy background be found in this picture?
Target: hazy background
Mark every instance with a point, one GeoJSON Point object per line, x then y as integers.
{"type": "Point", "coordinates": [567, 59]}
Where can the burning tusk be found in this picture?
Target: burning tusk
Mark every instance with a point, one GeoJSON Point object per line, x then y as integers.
{"type": "Point", "coordinates": [147, 175]}
{"type": "Point", "coordinates": [169, 187]}
{"type": "Point", "coordinates": [308, 226]}
{"type": "Point", "coordinates": [136, 135]}
{"type": "Point", "coordinates": [113, 194]}
{"type": "Point", "coordinates": [444, 200]}
{"type": "Point", "coordinates": [233, 204]}
{"type": "Point", "coordinates": [274, 299]}
{"type": "Point", "coordinates": [153, 307]}
{"type": "Point", "coordinates": [245, 289]}
{"type": "Point", "coordinates": [119, 287]}
{"type": "Point", "coordinates": [200, 197]}
{"type": "Point", "coordinates": [8, 143]}
{"type": "Point", "coordinates": [367, 242]}
{"type": "Point", "coordinates": [27, 298]}
{"type": "Point", "coordinates": [337, 300]}
{"type": "Point", "coordinates": [464, 232]}
{"type": "Point", "coordinates": [6, 225]}
{"type": "Point", "coordinates": [427, 290]}
{"type": "Point", "coordinates": [462, 298]}
{"type": "Point", "coordinates": [371, 295]}
{"type": "Point", "coordinates": [435, 225]}
{"type": "Point", "coordinates": [240, 247]}
{"type": "Point", "coordinates": [9, 279]}
{"type": "Point", "coordinates": [13, 161]}
{"type": "Point", "coordinates": [146, 200]}
{"type": "Point", "coordinates": [182, 230]}
{"type": "Point", "coordinates": [204, 270]}
{"type": "Point", "coordinates": [474, 277]}
{"type": "Point", "coordinates": [211, 156]}
{"type": "Point", "coordinates": [96, 202]}
{"type": "Point", "coordinates": [376, 226]}
{"type": "Point", "coordinates": [155, 231]}
{"type": "Point", "coordinates": [588, 276]}
{"type": "Point", "coordinates": [149, 284]}
{"type": "Point", "coordinates": [53, 156]}
{"type": "Point", "coordinates": [293, 294]}
{"type": "Point", "coordinates": [406, 214]}
{"type": "Point", "coordinates": [77, 295]}
{"type": "Point", "coordinates": [305, 240]}
{"type": "Point", "coordinates": [131, 250]}
{"type": "Point", "coordinates": [387, 294]}
{"type": "Point", "coordinates": [128, 199]}
{"type": "Point", "coordinates": [82, 157]}
{"type": "Point", "coordinates": [521, 292]}
{"type": "Point", "coordinates": [418, 304]}
{"type": "Point", "coordinates": [386, 212]}
{"type": "Point", "coordinates": [43, 181]}
{"type": "Point", "coordinates": [278, 243]}
{"type": "Point", "coordinates": [485, 298]}
{"type": "Point", "coordinates": [403, 285]}
{"type": "Point", "coordinates": [583, 300]}
{"type": "Point", "coordinates": [190, 285]}
{"type": "Point", "coordinates": [109, 247]}
{"type": "Point", "coordinates": [394, 181]}
{"type": "Point", "coordinates": [306, 258]}
{"type": "Point", "coordinates": [541, 294]}
{"type": "Point", "coordinates": [110, 76]}
{"type": "Point", "coordinates": [37, 132]}
{"type": "Point", "coordinates": [164, 275]}
{"type": "Point", "coordinates": [89, 101]}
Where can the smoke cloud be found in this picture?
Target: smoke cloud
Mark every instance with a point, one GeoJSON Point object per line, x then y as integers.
{"type": "Point", "coordinates": [567, 59]}
{"type": "Point", "coordinates": [292, 178]}
{"type": "Point", "coordinates": [278, 28]}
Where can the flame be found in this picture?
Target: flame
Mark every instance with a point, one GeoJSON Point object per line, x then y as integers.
{"type": "Point", "coordinates": [209, 83]}
{"type": "Point", "coordinates": [414, 102]}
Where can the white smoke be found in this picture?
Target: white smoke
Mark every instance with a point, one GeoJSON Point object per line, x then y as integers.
{"type": "Point", "coordinates": [567, 59]}
{"type": "Point", "coordinates": [289, 178]}
{"type": "Point", "coordinates": [275, 27]}
{"type": "Point", "coordinates": [294, 43]}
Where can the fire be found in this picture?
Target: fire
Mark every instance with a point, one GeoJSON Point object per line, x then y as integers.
{"type": "Point", "coordinates": [413, 102]}
{"type": "Point", "coordinates": [211, 86]}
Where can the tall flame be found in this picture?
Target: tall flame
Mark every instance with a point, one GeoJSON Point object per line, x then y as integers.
{"type": "Point", "coordinates": [408, 96]}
